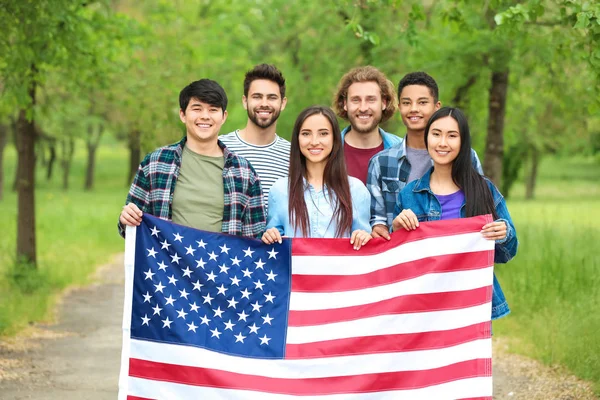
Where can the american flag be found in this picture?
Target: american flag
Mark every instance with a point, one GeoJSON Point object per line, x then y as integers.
{"type": "Point", "coordinates": [213, 316]}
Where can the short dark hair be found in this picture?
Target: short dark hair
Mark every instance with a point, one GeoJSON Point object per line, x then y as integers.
{"type": "Point", "coordinates": [268, 72]}
{"type": "Point", "coordinates": [419, 78]}
{"type": "Point", "coordinates": [205, 90]}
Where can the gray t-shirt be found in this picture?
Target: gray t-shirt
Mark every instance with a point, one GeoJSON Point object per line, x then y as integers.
{"type": "Point", "coordinates": [420, 162]}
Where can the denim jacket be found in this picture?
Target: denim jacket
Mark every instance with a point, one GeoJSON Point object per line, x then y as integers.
{"type": "Point", "coordinates": [418, 197]}
{"type": "Point", "coordinates": [389, 139]}
{"type": "Point", "coordinates": [388, 174]}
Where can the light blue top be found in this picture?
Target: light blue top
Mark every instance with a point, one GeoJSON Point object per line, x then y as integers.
{"type": "Point", "coordinates": [320, 211]}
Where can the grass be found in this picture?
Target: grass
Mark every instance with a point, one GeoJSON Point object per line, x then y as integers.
{"type": "Point", "coordinates": [553, 285]}
{"type": "Point", "coordinates": [76, 231]}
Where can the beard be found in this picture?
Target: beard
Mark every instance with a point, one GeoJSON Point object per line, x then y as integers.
{"type": "Point", "coordinates": [364, 128]}
{"type": "Point", "coordinates": [264, 124]}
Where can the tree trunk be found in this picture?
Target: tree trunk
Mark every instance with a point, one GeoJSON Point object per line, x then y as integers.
{"type": "Point", "coordinates": [532, 176]}
{"type": "Point", "coordinates": [3, 141]}
{"type": "Point", "coordinates": [52, 159]}
{"type": "Point", "coordinates": [93, 141]}
{"type": "Point", "coordinates": [68, 150]}
{"type": "Point", "coordinates": [16, 177]}
{"type": "Point", "coordinates": [135, 153]}
{"type": "Point", "coordinates": [26, 249]}
{"type": "Point", "coordinates": [494, 145]}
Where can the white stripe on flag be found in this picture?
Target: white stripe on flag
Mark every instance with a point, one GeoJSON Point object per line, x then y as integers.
{"type": "Point", "coordinates": [356, 265]}
{"type": "Point", "coordinates": [465, 388]}
{"type": "Point", "coordinates": [312, 367]}
{"type": "Point", "coordinates": [391, 324]}
{"type": "Point", "coordinates": [430, 283]}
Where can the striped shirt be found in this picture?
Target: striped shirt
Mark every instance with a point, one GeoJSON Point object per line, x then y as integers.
{"type": "Point", "coordinates": [270, 161]}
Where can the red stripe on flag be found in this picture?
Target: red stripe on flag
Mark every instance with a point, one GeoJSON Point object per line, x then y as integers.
{"type": "Point", "coordinates": [342, 247]}
{"type": "Point", "coordinates": [398, 305]}
{"type": "Point", "coordinates": [389, 343]}
{"type": "Point", "coordinates": [395, 273]}
{"type": "Point", "coordinates": [138, 398]}
{"type": "Point", "coordinates": [365, 383]}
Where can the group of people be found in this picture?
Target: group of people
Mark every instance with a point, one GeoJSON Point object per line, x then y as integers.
{"type": "Point", "coordinates": [359, 183]}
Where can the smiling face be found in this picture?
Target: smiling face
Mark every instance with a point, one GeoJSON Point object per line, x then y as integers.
{"type": "Point", "coordinates": [316, 139]}
{"type": "Point", "coordinates": [416, 107]}
{"type": "Point", "coordinates": [364, 106]}
{"type": "Point", "coordinates": [443, 141]}
{"type": "Point", "coordinates": [264, 102]}
{"type": "Point", "coordinates": [202, 121]}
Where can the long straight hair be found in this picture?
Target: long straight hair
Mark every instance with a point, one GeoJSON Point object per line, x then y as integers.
{"type": "Point", "coordinates": [478, 197]}
{"type": "Point", "coordinates": [335, 177]}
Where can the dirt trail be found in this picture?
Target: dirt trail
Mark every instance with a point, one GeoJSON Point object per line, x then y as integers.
{"type": "Point", "coordinates": [78, 358]}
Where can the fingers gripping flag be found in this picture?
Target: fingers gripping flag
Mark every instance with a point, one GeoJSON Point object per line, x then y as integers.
{"type": "Point", "coordinates": [213, 316]}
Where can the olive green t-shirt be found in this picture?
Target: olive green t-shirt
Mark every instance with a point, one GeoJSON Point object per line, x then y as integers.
{"type": "Point", "coordinates": [198, 196]}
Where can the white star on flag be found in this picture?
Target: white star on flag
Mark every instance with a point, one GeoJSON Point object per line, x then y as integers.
{"type": "Point", "coordinates": [147, 297]}
{"type": "Point", "coordinates": [207, 299]}
{"type": "Point", "coordinates": [192, 327]}
{"type": "Point", "coordinates": [248, 252]}
{"type": "Point", "coordinates": [212, 255]}
{"type": "Point", "coordinates": [235, 261]}
{"type": "Point", "coordinates": [259, 263]}
{"type": "Point", "coordinates": [183, 293]}
{"type": "Point", "coordinates": [167, 323]}
{"type": "Point", "coordinates": [149, 274]}
{"type": "Point", "coordinates": [243, 316]}
{"type": "Point", "coordinates": [258, 285]}
{"type": "Point", "coordinates": [178, 237]}
{"type": "Point", "coordinates": [188, 272]}
{"type": "Point", "coordinates": [170, 300]}
{"type": "Point", "coordinates": [194, 307]}
{"type": "Point", "coordinates": [264, 340]}
{"type": "Point", "coordinates": [175, 258]}
{"type": "Point", "coordinates": [254, 329]}
{"type": "Point", "coordinates": [271, 276]}
{"type": "Point", "coordinates": [205, 320]}
{"type": "Point", "coordinates": [172, 280]}
{"type": "Point", "coordinates": [190, 250]}
{"type": "Point", "coordinates": [151, 252]}
{"type": "Point", "coordinates": [157, 310]}
{"type": "Point", "coordinates": [159, 287]}
{"type": "Point", "coordinates": [267, 319]}
{"type": "Point", "coordinates": [200, 263]}
{"type": "Point", "coordinates": [239, 337]}
{"type": "Point", "coordinates": [273, 253]}
{"type": "Point", "coordinates": [165, 245]}
{"type": "Point", "coordinates": [211, 276]}
{"type": "Point", "coordinates": [181, 314]}
{"type": "Point", "coordinates": [232, 302]}
{"type": "Point", "coordinates": [162, 266]}
{"type": "Point", "coordinates": [197, 285]}
{"type": "Point", "coordinates": [201, 244]}
{"type": "Point", "coordinates": [154, 232]}
{"type": "Point", "coordinates": [224, 249]}
{"type": "Point", "coordinates": [145, 320]}
{"type": "Point", "coordinates": [218, 312]}
{"type": "Point", "coordinates": [215, 332]}
{"type": "Point", "coordinates": [269, 297]}
{"type": "Point", "coordinates": [229, 325]}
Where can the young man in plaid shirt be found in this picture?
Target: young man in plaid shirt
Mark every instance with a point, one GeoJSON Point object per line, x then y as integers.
{"type": "Point", "coordinates": [198, 182]}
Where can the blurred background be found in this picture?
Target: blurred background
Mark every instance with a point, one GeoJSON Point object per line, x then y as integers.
{"type": "Point", "coordinates": [89, 87]}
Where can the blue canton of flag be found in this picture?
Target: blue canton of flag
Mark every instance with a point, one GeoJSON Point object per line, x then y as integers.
{"type": "Point", "coordinates": [220, 292]}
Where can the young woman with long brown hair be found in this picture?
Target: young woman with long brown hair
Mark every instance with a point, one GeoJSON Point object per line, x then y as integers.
{"type": "Point", "coordinates": [318, 199]}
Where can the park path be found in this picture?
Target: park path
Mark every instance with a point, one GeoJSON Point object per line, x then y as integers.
{"type": "Point", "coordinates": [79, 356]}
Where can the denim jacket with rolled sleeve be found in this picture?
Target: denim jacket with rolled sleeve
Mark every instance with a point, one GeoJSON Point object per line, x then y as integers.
{"type": "Point", "coordinates": [418, 197]}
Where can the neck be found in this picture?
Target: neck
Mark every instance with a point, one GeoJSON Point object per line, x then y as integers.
{"type": "Point", "coordinates": [210, 148]}
{"type": "Point", "coordinates": [314, 174]}
{"type": "Point", "coordinates": [441, 180]}
{"type": "Point", "coordinates": [415, 139]}
{"type": "Point", "coordinates": [363, 140]}
{"type": "Point", "coordinates": [254, 134]}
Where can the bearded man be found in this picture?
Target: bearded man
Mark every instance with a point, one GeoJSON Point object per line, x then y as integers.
{"type": "Point", "coordinates": [264, 99]}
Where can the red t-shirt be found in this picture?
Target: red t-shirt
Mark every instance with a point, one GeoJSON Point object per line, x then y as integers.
{"type": "Point", "coordinates": [357, 160]}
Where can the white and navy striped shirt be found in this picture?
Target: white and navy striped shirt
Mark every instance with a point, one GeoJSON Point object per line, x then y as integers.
{"type": "Point", "coordinates": [270, 161]}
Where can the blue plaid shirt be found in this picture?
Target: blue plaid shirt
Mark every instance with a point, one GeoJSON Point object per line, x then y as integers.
{"type": "Point", "coordinates": [388, 174]}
